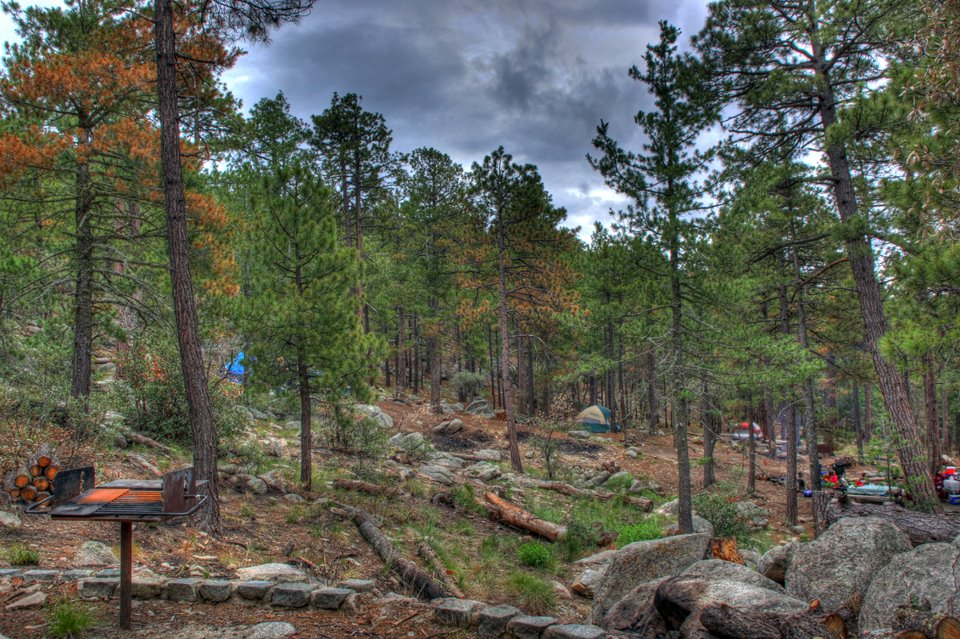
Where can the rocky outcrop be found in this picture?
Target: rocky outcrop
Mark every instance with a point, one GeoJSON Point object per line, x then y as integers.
{"type": "Point", "coordinates": [773, 565]}
{"type": "Point", "coordinates": [841, 563]}
{"type": "Point", "coordinates": [927, 575]}
{"type": "Point", "coordinates": [644, 561]}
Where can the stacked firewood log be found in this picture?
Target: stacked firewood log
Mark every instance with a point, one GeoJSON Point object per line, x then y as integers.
{"type": "Point", "coordinates": [36, 480]}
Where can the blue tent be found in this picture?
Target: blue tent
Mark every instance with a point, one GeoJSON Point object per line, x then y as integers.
{"type": "Point", "coordinates": [597, 419]}
{"type": "Point", "coordinates": [236, 369]}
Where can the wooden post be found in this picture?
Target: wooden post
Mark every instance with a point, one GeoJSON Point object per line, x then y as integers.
{"type": "Point", "coordinates": [126, 573]}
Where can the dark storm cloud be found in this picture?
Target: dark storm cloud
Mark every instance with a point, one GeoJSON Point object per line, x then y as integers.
{"type": "Point", "coordinates": [466, 77]}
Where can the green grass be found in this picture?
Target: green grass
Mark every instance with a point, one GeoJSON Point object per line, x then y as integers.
{"type": "Point", "coordinates": [70, 619]}
{"type": "Point", "coordinates": [650, 527]}
{"type": "Point", "coordinates": [465, 497]}
{"type": "Point", "coordinates": [533, 594]}
{"type": "Point", "coordinates": [295, 515]}
{"type": "Point", "coordinates": [19, 555]}
{"type": "Point", "coordinates": [535, 555]}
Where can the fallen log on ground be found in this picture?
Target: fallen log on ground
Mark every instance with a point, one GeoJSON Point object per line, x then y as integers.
{"type": "Point", "coordinates": [725, 622]}
{"type": "Point", "coordinates": [410, 574]}
{"type": "Point", "coordinates": [572, 491]}
{"type": "Point", "coordinates": [147, 441]}
{"type": "Point", "coordinates": [363, 487]}
{"type": "Point", "coordinates": [920, 527]}
{"type": "Point", "coordinates": [923, 624]}
{"type": "Point", "coordinates": [512, 515]}
{"type": "Point", "coordinates": [428, 555]}
{"type": "Point", "coordinates": [140, 462]}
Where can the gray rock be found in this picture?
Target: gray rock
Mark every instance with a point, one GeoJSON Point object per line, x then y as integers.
{"type": "Point", "coordinates": [75, 574]}
{"type": "Point", "coordinates": [271, 630]}
{"type": "Point", "coordinates": [332, 598]}
{"type": "Point", "coordinates": [619, 479]}
{"type": "Point", "coordinates": [751, 558]}
{"type": "Point", "coordinates": [394, 441]}
{"type": "Point", "coordinates": [33, 600]}
{"type": "Point", "coordinates": [668, 509]}
{"type": "Point", "coordinates": [40, 575]}
{"type": "Point", "coordinates": [599, 478]}
{"type": "Point", "coordinates": [579, 434]}
{"type": "Point", "coordinates": [480, 407]}
{"type": "Point", "coordinates": [798, 530]}
{"type": "Point", "coordinates": [842, 561]}
{"type": "Point", "coordinates": [97, 587]}
{"type": "Point", "coordinates": [681, 597]}
{"type": "Point", "coordinates": [412, 442]}
{"type": "Point", "coordinates": [449, 409]}
{"type": "Point", "coordinates": [377, 414]}
{"type": "Point", "coordinates": [440, 458]}
{"type": "Point", "coordinates": [274, 448]}
{"type": "Point", "coordinates": [494, 620]}
{"type": "Point", "coordinates": [774, 563]}
{"type": "Point", "coordinates": [439, 474]}
{"type": "Point", "coordinates": [600, 559]}
{"type": "Point", "coordinates": [574, 631]}
{"type": "Point", "coordinates": [527, 627]}
{"type": "Point", "coordinates": [449, 427]}
{"type": "Point", "coordinates": [749, 510]}
{"type": "Point", "coordinates": [215, 590]}
{"type": "Point", "coordinates": [254, 590]}
{"type": "Point", "coordinates": [587, 582]}
{"type": "Point", "coordinates": [291, 595]}
{"type": "Point", "coordinates": [146, 587]}
{"type": "Point", "coordinates": [95, 553]}
{"type": "Point", "coordinates": [256, 485]}
{"type": "Point", "coordinates": [642, 561]}
{"type": "Point", "coordinates": [109, 573]}
{"type": "Point", "coordinates": [256, 413]}
{"type": "Point", "coordinates": [700, 525]}
{"type": "Point", "coordinates": [633, 452]}
{"type": "Point", "coordinates": [636, 610]}
{"type": "Point", "coordinates": [484, 471]}
{"type": "Point", "coordinates": [9, 572]}
{"type": "Point", "coordinates": [718, 569]}
{"type": "Point", "coordinates": [928, 574]}
{"type": "Point", "coordinates": [294, 498]}
{"type": "Point", "coordinates": [462, 613]}
{"type": "Point", "coordinates": [182, 589]}
{"type": "Point", "coordinates": [359, 585]}
{"type": "Point", "coordinates": [637, 486]}
{"type": "Point", "coordinates": [272, 572]}
{"type": "Point", "coordinates": [488, 454]}
{"type": "Point", "coordinates": [9, 520]}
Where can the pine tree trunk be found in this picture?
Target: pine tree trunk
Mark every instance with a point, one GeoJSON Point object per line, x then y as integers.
{"type": "Point", "coordinates": [433, 355]}
{"type": "Point", "coordinates": [611, 372]}
{"type": "Point", "coordinates": [178, 247]}
{"type": "Point", "coordinates": [930, 401]}
{"type": "Point", "coordinates": [681, 411]}
{"type": "Point", "coordinates": [401, 355]}
{"type": "Point", "coordinates": [653, 409]}
{"type": "Point", "coordinates": [521, 377]}
{"type": "Point", "coordinates": [709, 436]}
{"type": "Point", "coordinates": [306, 435]}
{"type": "Point", "coordinates": [868, 412]}
{"type": "Point", "coordinates": [505, 384]}
{"type": "Point", "coordinates": [83, 293]}
{"type": "Point", "coordinates": [860, 257]}
{"type": "Point", "coordinates": [493, 367]}
{"type": "Point", "coordinates": [751, 449]}
{"type": "Point", "coordinates": [531, 387]}
{"type": "Point", "coordinates": [857, 425]}
{"type": "Point", "coordinates": [791, 483]}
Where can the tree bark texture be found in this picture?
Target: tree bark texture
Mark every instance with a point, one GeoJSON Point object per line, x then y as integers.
{"type": "Point", "coordinates": [178, 247]}
{"type": "Point", "coordinates": [306, 430]}
{"type": "Point", "coordinates": [860, 257]}
{"type": "Point", "coordinates": [509, 392]}
{"type": "Point", "coordinates": [83, 292]}
{"type": "Point", "coordinates": [930, 401]}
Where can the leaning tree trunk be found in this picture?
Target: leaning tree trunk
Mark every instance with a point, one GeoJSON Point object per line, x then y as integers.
{"type": "Point", "coordinates": [83, 292]}
{"type": "Point", "coordinates": [860, 256]}
{"type": "Point", "coordinates": [178, 247]}
{"type": "Point", "coordinates": [930, 401]}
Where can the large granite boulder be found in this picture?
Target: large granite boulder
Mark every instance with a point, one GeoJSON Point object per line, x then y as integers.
{"type": "Point", "coordinates": [841, 563]}
{"type": "Point", "coordinates": [272, 572]}
{"type": "Point", "coordinates": [679, 600]}
{"type": "Point", "coordinates": [774, 563]}
{"type": "Point", "coordinates": [929, 574]}
{"type": "Point", "coordinates": [376, 413]}
{"type": "Point", "coordinates": [644, 561]}
{"type": "Point", "coordinates": [716, 569]}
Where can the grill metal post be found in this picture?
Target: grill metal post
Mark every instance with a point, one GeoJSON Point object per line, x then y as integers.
{"type": "Point", "coordinates": [126, 573]}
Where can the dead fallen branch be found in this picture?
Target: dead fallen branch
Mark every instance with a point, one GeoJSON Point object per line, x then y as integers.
{"type": "Point", "coordinates": [146, 441]}
{"type": "Point", "coordinates": [363, 487]}
{"type": "Point", "coordinates": [410, 574]}
{"type": "Point", "coordinates": [512, 515]}
{"type": "Point", "coordinates": [430, 557]}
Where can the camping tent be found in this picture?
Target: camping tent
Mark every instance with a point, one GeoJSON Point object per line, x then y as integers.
{"type": "Point", "coordinates": [236, 369]}
{"type": "Point", "coordinates": [596, 419]}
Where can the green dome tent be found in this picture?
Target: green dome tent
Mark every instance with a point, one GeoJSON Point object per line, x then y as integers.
{"type": "Point", "coordinates": [597, 419]}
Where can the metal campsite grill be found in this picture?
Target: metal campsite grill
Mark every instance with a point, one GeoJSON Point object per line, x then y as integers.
{"type": "Point", "coordinates": [125, 501]}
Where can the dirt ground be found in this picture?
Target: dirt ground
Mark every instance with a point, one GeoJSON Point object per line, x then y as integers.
{"type": "Point", "coordinates": [260, 529]}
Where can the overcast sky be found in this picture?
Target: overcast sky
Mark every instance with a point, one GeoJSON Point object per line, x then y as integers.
{"type": "Point", "coordinates": [465, 76]}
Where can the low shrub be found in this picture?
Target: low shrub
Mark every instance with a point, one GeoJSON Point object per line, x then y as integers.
{"type": "Point", "coordinates": [722, 513]}
{"type": "Point", "coordinates": [535, 555]}
{"type": "Point", "coordinates": [20, 555]}
{"type": "Point", "coordinates": [580, 536]}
